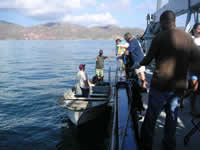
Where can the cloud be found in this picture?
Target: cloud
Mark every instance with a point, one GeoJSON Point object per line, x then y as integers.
{"type": "Point", "coordinates": [88, 3]}
{"type": "Point", "coordinates": [120, 4]}
{"type": "Point", "coordinates": [91, 19]}
{"type": "Point", "coordinates": [124, 3]}
{"type": "Point", "coordinates": [40, 7]}
{"type": "Point", "coordinates": [45, 7]}
{"type": "Point", "coordinates": [116, 6]}
{"type": "Point", "coordinates": [8, 4]}
{"type": "Point", "coordinates": [66, 10]}
{"type": "Point", "coordinates": [164, 2]}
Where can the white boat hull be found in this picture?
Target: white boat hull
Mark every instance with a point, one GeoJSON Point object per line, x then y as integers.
{"type": "Point", "coordinates": [82, 117]}
{"type": "Point", "coordinates": [80, 110]}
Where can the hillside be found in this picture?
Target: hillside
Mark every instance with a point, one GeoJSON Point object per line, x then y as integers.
{"type": "Point", "coordinates": [62, 31]}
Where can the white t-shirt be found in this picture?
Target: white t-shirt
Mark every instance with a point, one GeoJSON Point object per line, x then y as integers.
{"type": "Point", "coordinates": [196, 40]}
{"type": "Point", "coordinates": [124, 43]}
{"type": "Point", "coordinates": [119, 49]}
{"type": "Point", "coordinates": [83, 79]}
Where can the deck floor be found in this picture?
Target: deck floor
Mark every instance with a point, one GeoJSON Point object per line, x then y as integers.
{"type": "Point", "coordinates": [183, 127]}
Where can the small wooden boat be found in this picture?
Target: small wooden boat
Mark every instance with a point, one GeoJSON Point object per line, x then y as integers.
{"type": "Point", "coordinates": [80, 109]}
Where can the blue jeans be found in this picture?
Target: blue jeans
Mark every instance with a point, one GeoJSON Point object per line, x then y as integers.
{"type": "Point", "coordinates": [158, 101]}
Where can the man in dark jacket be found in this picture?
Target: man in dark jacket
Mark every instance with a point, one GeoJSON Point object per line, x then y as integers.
{"type": "Point", "coordinates": [175, 53]}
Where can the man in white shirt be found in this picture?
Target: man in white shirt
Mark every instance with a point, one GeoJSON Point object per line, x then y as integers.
{"type": "Point", "coordinates": [83, 80]}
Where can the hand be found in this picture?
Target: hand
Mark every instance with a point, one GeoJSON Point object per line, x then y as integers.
{"type": "Point", "coordinates": [119, 57]}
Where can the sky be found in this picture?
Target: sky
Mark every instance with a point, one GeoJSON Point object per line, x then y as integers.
{"type": "Point", "coordinates": [123, 13]}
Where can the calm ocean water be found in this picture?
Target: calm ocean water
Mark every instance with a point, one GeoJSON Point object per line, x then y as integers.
{"type": "Point", "coordinates": [33, 75]}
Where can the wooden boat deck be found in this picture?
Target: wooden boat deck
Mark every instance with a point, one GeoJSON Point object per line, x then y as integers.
{"type": "Point", "coordinates": [93, 95]}
{"type": "Point", "coordinates": [89, 99]}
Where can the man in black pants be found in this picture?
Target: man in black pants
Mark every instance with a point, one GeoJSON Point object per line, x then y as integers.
{"type": "Point", "coordinates": [175, 53]}
{"type": "Point", "coordinates": [83, 80]}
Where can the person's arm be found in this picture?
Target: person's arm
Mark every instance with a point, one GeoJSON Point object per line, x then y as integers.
{"type": "Point", "coordinates": [151, 53]}
{"type": "Point", "coordinates": [116, 50]}
{"type": "Point", "coordinates": [85, 78]}
{"type": "Point", "coordinates": [120, 57]}
{"type": "Point", "coordinates": [96, 59]}
{"type": "Point", "coordinates": [89, 84]}
{"type": "Point", "coordinates": [124, 45]}
{"type": "Point", "coordinates": [105, 57]}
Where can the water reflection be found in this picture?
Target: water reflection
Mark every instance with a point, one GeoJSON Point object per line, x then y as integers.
{"type": "Point", "coordinates": [92, 136]}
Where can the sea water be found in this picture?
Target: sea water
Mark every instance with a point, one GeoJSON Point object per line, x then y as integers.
{"type": "Point", "coordinates": [33, 75]}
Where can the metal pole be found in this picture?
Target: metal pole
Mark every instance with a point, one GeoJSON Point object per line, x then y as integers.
{"type": "Point", "coordinates": [187, 25]}
{"type": "Point", "coordinates": [196, 17]}
{"type": "Point", "coordinates": [159, 3]}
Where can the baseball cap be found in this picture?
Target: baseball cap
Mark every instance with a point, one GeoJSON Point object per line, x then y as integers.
{"type": "Point", "coordinates": [81, 66]}
{"type": "Point", "coordinates": [100, 51]}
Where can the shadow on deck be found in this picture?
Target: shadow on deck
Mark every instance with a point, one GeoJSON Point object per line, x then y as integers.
{"type": "Point", "coordinates": [183, 127]}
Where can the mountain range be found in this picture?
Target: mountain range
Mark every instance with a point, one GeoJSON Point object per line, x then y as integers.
{"type": "Point", "coordinates": [63, 31]}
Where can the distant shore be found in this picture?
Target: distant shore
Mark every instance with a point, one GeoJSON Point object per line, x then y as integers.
{"type": "Point", "coordinates": [63, 31]}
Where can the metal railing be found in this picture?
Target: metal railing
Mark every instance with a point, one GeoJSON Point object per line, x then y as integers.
{"type": "Point", "coordinates": [119, 137]}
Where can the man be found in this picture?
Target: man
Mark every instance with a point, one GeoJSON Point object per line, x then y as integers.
{"type": "Point", "coordinates": [137, 55]}
{"type": "Point", "coordinates": [100, 65]}
{"type": "Point", "coordinates": [195, 77]}
{"type": "Point", "coordinates": [120, 50]}
{"type": "Point", "coordinates": [120, 47]}
{"type": "Point", "coordinates": [174, 52]}
{"type": "Point", "coordinates": [83, 80]}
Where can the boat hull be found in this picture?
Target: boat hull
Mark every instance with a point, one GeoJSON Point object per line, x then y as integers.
{"type": "Point", "coordinates": [81, 110]}
{"type": "Point", "coordinates": [82, 117]}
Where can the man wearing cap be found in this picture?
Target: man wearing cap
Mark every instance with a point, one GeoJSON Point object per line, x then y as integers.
{"type": "Point", "coordinates": [83, 80]}
{"type": "Point", "coordinates": [100, 64]}
{"type": "Point", "coordinates": [137, 55]}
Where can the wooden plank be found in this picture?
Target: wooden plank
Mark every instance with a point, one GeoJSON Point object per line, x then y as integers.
{"type": "Point", "coordinates": [92, 95]}
{"type": "Point", "coordinates": [77, 105]}
{"type": "Point", "coordinates": [86, 99]}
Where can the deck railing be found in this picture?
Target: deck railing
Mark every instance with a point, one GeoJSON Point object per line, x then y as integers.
{"type": "Point", "coordinates": [125, 133]}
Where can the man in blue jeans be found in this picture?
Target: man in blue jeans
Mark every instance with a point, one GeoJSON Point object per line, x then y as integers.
{"type": "Point", "coordinates": [175, 53]}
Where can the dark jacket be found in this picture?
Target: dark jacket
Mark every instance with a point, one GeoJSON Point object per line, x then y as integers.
{"type": "Point", "coordinates": [174, 52]}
